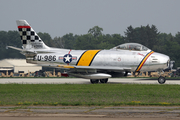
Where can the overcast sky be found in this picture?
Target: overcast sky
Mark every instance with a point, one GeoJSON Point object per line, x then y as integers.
{"type": "Point", "coordinates": [59, 17]}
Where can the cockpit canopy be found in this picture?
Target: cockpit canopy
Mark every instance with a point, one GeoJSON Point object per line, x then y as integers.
{"type": "Point", "coordinates": [131, 46]}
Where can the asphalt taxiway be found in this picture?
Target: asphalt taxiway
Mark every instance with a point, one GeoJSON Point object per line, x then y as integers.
{"type": "Point", "coordinates": [82, 81]}
{"type": "Point", "coordinates": [89, 113]}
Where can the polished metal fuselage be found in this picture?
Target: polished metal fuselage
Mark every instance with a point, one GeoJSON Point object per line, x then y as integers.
{"type": "Point", "coordinates": [105, 58]}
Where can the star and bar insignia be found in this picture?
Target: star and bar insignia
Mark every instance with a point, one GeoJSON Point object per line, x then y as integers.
{"type": "Point", "coordinates": [67, 58]}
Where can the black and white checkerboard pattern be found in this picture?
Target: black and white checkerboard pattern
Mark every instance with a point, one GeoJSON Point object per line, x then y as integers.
{"type": "Point", "coordinates": [28, 35]}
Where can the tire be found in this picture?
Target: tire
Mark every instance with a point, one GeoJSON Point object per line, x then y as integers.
{"type": "Point", "coordinates": [94, 81]}
{"type": "Point", "coordinates": [161, 80]}
{"type": "Point", "coordinates": [104, 80]}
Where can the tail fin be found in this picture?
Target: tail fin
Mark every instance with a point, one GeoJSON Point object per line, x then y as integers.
{"type": "Point", "coordinates": [29, 38]}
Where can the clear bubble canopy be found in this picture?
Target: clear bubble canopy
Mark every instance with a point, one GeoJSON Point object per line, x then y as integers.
{"type": "Point", "coordinates": [131, 46]}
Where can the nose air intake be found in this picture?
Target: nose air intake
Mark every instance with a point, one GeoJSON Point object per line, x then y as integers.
{"type": "Point", "coordinates": [167, 61]}
{"type": "Point", "coordinates": [170, 64]}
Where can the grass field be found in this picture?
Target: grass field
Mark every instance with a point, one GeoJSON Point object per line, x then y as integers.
{"type": "Point", "coordinates": [89, 94]}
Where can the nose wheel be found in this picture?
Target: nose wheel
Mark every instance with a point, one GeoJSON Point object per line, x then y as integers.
{"type": "Point", "coordinates": [161, 80]}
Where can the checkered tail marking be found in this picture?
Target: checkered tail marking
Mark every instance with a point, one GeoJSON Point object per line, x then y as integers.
{"type": "Point", "coordinates": [27, 35]}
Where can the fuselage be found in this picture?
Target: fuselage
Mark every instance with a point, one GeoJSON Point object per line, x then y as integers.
{"type": "Point", "coordinates": [114, 58]}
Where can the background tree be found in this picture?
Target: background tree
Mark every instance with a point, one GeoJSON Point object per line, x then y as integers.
{"type": "Point", "coordinates": [145, 35]}
{"type": "Point", "coordinates": [85, 42]}
{"type": "Point", "coordinates": [177, 38]}
{"type": "Point", "coordinates": [68, 40]}
{"type": "Point", "coordinates": [46, 38]}
{"type": "Point", "coordinates": [95, 31]}
{"type": "Point", "coordinates": [10, 38]}
{"type": "Point", "coordinates": [58, 42]}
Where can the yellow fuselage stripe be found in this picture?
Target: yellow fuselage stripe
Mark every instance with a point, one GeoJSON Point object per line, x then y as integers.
{"type": "Point", "coordinates": [87, 57]}
{"type": "Point", "coordinates": [144, 60]}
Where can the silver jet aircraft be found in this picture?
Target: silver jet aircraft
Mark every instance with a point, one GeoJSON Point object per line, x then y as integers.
{"type": "Point", "coordinates": [96, 65]}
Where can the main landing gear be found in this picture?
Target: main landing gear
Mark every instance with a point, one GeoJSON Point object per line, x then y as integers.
{"type": "Point", "coordinates": [161, 80]}
{"type": "Point", "coordinates": [94, 81]}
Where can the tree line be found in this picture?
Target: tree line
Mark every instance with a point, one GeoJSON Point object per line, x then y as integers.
{"type": "Point", "coordinates": [148, 36]}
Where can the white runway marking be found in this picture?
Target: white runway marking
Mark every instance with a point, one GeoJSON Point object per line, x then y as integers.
{"type": "Point", "coordinates": [81, 81]}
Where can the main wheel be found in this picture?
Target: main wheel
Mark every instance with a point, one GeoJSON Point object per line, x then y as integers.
{"type": "Point", "coordinates": [161, 80]}
{"type": "Point", "coordinates": [104, 80]}
{"type": "Point", "coordinates": [93, 81]}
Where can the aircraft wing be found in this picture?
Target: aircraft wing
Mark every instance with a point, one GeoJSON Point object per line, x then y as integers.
{"type": "Point", "coordinates": [108, 68]}
{"type": "Point", "coordinates": [104, 68]}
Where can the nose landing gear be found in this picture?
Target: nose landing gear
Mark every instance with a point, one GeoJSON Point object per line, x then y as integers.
{"type": "Point", "coordinates": [161, 80]}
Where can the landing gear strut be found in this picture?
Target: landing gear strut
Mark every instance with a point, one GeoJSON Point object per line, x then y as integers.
{"type": "Point", "coordinates": [161, 80]}
{"type": "Point", "coordinates": [94, 81]}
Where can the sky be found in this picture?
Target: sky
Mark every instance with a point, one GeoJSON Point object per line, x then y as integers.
{"type": "Point", "coordinates": [60, 17]}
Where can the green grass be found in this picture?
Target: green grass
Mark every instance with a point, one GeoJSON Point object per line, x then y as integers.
{"type": "Point", "coordinates": [89, 94]}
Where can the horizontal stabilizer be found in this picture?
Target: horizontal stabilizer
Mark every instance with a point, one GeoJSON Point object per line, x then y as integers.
{"type": "Point", "coordinates": [15, 48]}
{"type": "Point", "coordinates": [24, 52]}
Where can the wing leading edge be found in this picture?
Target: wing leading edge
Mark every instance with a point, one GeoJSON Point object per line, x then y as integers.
{"type": "Point", "coordinates": [109, 68]}
{"type": "Point", "coordinates": [104, 68]}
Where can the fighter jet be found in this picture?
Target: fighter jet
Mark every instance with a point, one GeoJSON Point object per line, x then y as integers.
{"type": "Point", "coordinates": [96, 65]}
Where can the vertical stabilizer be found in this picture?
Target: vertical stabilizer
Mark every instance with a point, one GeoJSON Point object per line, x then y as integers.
{"type": "Point", "coordinates": [29, 38]}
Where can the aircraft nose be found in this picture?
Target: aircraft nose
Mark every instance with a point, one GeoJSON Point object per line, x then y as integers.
{"type": "Point", "coordinates": [165, 60]}
{"type": "Point", "coordinates": [160, 59]}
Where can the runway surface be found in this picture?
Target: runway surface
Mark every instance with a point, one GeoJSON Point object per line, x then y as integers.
{"type": "Point", "coordinates": [82, 81]}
